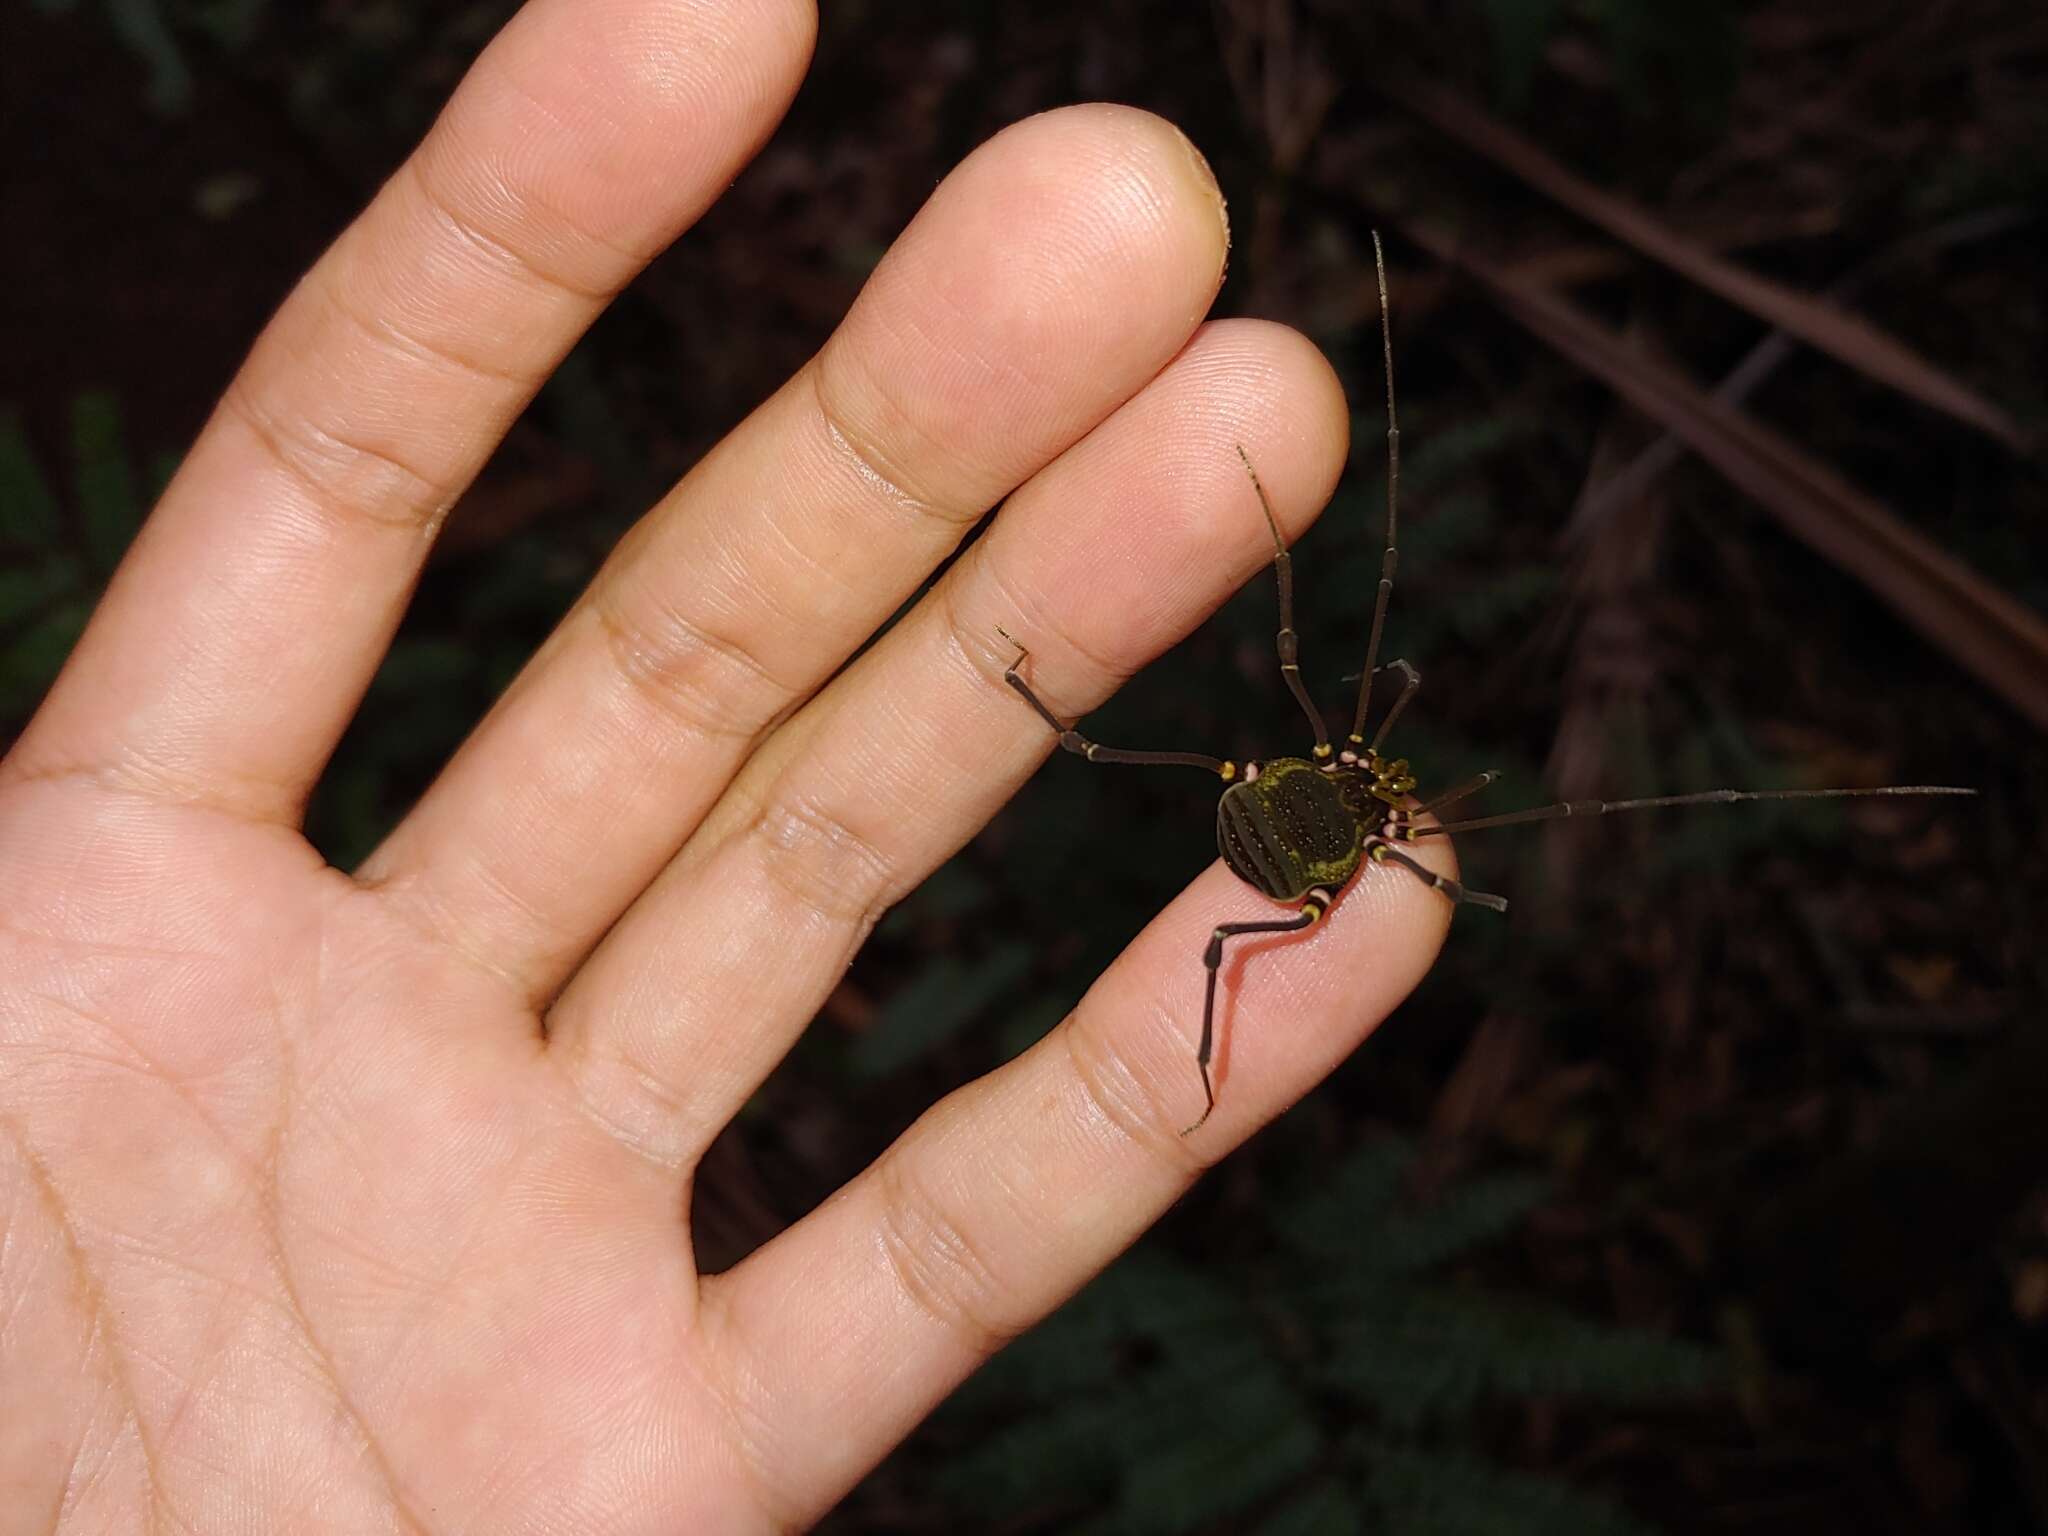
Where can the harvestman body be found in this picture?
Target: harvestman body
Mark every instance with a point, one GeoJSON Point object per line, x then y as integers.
{"type": "Point", "coordinates": [1297, 829]}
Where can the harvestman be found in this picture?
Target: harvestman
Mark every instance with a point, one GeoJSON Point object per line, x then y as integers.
{"type": "Point", "coordinates": [1297, 829]}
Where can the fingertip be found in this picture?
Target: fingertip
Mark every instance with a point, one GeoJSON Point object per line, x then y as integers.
{"type": "Point", "coordinates": [1050, 276]}
{"type": "Point", "coordinates": [1144, 171]}
{"type": "Point", "coordinates": [1300, 444]}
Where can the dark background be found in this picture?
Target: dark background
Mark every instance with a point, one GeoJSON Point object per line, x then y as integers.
{"type": "Point", "coordinates": [1705, 1191]}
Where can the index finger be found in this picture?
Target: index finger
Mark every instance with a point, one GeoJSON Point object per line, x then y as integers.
{"type": "Point", "coordinates": [238, 635]}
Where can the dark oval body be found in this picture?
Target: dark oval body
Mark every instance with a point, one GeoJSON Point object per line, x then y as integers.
{"type": "Point", "coordinates": [1292, 829]}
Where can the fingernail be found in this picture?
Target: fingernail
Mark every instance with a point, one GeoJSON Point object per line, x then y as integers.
{"type": "Point", "coordinates": [1205, 177]}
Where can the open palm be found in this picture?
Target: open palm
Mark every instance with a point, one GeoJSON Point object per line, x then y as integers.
{"type": "Point", "coordinates": [357, 1201]}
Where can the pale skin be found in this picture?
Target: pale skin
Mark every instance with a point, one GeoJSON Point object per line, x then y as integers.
{"type": "Point", "coordinates": [358, 1201]}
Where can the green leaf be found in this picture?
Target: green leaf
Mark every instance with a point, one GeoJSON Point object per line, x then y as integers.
{"type": "Point", "coordinates": [1338, 1215]}
{"type": "Point", "coordinates": [28, 508]}
{"type": "Point", "coordinates": [1484, 608]}
{"type": "Point", "coordinates": [1457, 447]}
{"type": "Point", "coordinates": [1466, 1217]}
{"type": "Point", "coordinates": [230, 23]}
{"type": "Point", "coordinates": [162, 466]}
{"type": "Point", "coordinates": [1398, 1352]}
{"type": "Point", "coordinates": [1666, 57]}
{"type": "Point", "coordinates": [1199, 1423]}
{"type": "Point", "coordinates": [1520, 29]}
{"type": "Point", "coordinates": [106, 487]}
{"type": "Point", "coordinates": [1355, 1216]}
{"type": "Point", "coordinates": [934, 1006]}
{"type": "Point", "coordinates": [27, 591]}
{"type": "Point", "coordinates": [955, 889]}
{"type": "Point", "coordinates": [1032, 1023]}
{"type": "Point", "coordinates": [1077, 1437]}
{"type": "Point", "coordinates": [29, 665]}
{"type": "Point", "coordinates": [1422, 1356]}
{"type": "Point", "coordinates": [1438, 1493]}
{"type": "Point", "coordinates": [142, 27]}
{"type": "Point", "coordinates": [424, 667]}
{"type": "Point", "coordinates": [1237, 1441]}
{"type": "Point", "coordinates": [1324, 1508]}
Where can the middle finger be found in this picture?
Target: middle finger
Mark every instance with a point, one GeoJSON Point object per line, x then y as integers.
{"type": "Point", "coordinates": [1049, 277]}
{"type": "Point", "coordinates": [1103, 560]}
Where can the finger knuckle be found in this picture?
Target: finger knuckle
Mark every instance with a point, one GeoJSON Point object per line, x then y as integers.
{"type": "Point", "coordinates": [710, 684]}
{"type": "Point", "coordinates": [346, 479]}
{"type": "Point", "coordinates": [862, 444]}
{"type": "Point", "coordinates": [820, 861]}
{"type": "Point", "coordinates": [1122, 1097]}
{"type": "Point", "coordinates": [937, 1263]}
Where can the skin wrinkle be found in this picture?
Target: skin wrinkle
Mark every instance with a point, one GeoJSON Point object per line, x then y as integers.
{"type": "Point", "coordinates": [401, 343]}
{"type": "Point", "coordinates": [92, 1302]}
{"type": "Point", "coordinates": [143, 1065]}
{"type": "Point", "coordinates": [1137, 1115]}
{"type": "Point", "coordinates": [504, 260]}
{"type": "Point", "coordinates": [11, 1256]}
{"type": "Point", "coordinates": [81, 1479]}
{"type": "Point", "coordinates": [119, 951]}
{"type": "Point", "coordinates": [424, 505]}
{"type": "Point", "coordinates": [712, 1074]}
{"type": "Point", "coordinates": [884, 877]}
{"type": "Point", "coordinates": [418, 904]}
{"type": "Point", "coordinates": [712, 1367]}
{"type": "Point", "coordinates": [922, 1246]}
{"type": "Point", "coordinates": [271, 1201]}
{"type": "Point", "coordinates": [863, 449]}
{"type": "Point", "coordinates": [161, 786]}
{"type": "Point", "coordinates": [421, 904]}
{"type": "Point", "coordinates": [787, 831]}
{"type": "Point", "coordinates": [425, 1283]}
{"type": "Point", "coordinates": [656, 663]}
{"type": "Point", "coordinates": [196, 1396]}
{"type": "Point", "coordinates": [522, 207]}
{"type": "Point", "coordinates": [766, 604]}
{"type": "Point", "coordinates": [765, 78]}
{"type": "Point", "coordinates": [148, 1257]}
{"type": "Point", "coordinates": [653, 1089]}
{"type": "Point", "coordinates": [933, 430]}
{"type": "Point", "coordinates": [1029, 393]}
{"type": "Point", "coordinates": [1108, 676]}
{"type": "Point", "coordinates": [848, 593]}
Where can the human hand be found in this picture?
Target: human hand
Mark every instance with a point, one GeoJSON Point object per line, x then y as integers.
{"type": "Point", "coordinates": [359, 1201]}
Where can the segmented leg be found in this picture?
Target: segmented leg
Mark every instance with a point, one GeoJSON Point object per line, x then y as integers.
{"type": "Point", "coordinates": [1390, 557]}
{"type": "Point", "coordinates": [1313, 906]}
{"type": "Point", "coordinates": [1411, 680]}
{"type": "Point", "coordinates": [1286, 642]}
{"type": "Point", "coordinates": [1379, 850]}
{"type": "Point", "coordinates": [1471, 786]}
{"type": "Point", "coordinates": [1094, 751]}
{"type": "Point", "coordinates": [1565, 808]}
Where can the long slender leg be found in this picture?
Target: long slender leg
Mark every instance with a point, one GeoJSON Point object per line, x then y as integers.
{"type": "Point", "coordinates": [1286, 641]}
{"type": "Point", "coordinates": [1313, 906]}
{"type": "Point", "coordinates": [1413, 682]}
{"type": "Point", "coordinates": [1565, 808]}
{"type": "Point", "coordinates": [1380, 850]}
{"type": "Point", "coordinates": [1471, 786]}
{"type": "Point", "coordinates": [1389, 559]}
{"type": "Point", "coordinates": [1094, 751]}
